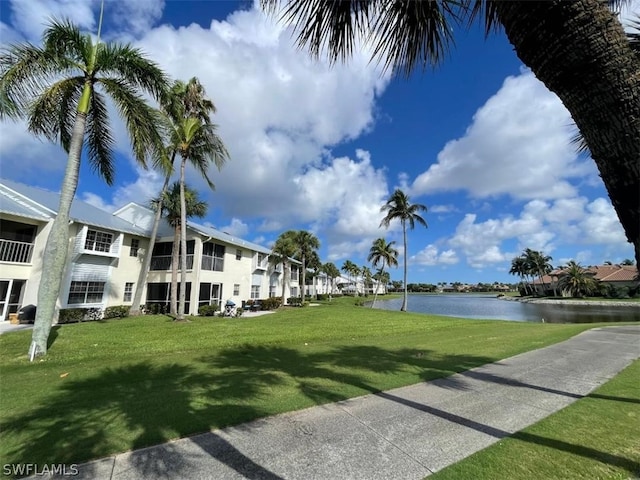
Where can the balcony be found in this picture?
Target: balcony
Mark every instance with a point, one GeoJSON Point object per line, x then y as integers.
{"type": "Point", "coordinates": [163, 262]}
{"type": "Point", "coordinates": [15, 252]}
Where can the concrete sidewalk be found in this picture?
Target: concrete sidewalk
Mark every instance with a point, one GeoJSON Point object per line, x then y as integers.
{"type": "Point", "coordinates": [406, 433]}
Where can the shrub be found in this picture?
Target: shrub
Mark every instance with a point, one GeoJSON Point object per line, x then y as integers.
{"type": "Point", "coordinates": [156, 309]}
{"type": "Point", "coordinates": [71, 315]}
{"type": "Point", "coordinates": [322, 297]}
{"type": "Point", "coordinates": [358, 302]}
{"type": "Point", "coordinates": [119, 311]}
{"type": "Point", "coordinates": [208, 310]}
{"type": "Point", "coordinates": [294, 301]}
{"type": "Point", "coordinates": [271, 303]}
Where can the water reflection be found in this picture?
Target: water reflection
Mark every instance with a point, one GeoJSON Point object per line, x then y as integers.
{"type": "Point", "coordinates": [490, 307]}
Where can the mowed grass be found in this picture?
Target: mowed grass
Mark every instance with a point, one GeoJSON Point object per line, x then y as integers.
{"type": "Point", "coordinates": [112, 386]}
{"type": "Point", "coordinates": [597, 437]}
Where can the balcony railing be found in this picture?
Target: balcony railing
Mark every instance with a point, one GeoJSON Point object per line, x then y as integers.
{"type": "Point", "coordinates": [163, 262]}
{"type": "Point", "coordinates": [16, 252]}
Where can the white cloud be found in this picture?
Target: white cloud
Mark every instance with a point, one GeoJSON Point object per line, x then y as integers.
{"type": "Point", "coordinates": [541, 225]}
{"type": "Point", "coordinates": [518, 144]}
{"type": "Point", "coordinates": [431, 255]}
{"type": "Point", "coordinates": [236, 228]}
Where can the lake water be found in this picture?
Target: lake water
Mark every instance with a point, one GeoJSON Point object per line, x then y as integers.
{"type": "Point", "coordinates": [490, 307]}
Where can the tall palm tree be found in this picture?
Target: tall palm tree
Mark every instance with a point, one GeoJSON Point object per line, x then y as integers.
{"type": "Point", "coordinates": [398, 207]}
{"type": "Point", "coordinates": [349, 267]}
{"type": "Point", "coordinates": [171, 210]}
{"type": "Point", "coordinates": [182, 100]}
{"type": "Point", "coordinates": [194, 138]}
{"type": "Point", "coordinates": [539, 263]}
{"type": "Point", "coordinates": [281, 252]}
{"type": "Point", "coordinates": [382, 254]}
{"type": "Point", "coordinates": [332, 272]}
{"type": "Point", "coordinates": [578, 49]}
{"type": "Point", "coordinates": [519, 268]}
{"type": "Point", "coordinates": [61, 89]}
{"type": "Point", "coordinates": [306, 244]}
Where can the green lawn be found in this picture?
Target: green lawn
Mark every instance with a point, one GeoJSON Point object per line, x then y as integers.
{"type": "Point", "coordinates": [595, 438]}
{"type": "Point", "coordinates": [112, 386]}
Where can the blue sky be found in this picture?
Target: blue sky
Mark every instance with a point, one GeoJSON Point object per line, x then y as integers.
{"type": "Point", "coordinates": [478, 140]}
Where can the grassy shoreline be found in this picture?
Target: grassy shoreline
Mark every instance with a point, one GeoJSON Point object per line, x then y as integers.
{"type": "Point", "coordinates": [108, 387]}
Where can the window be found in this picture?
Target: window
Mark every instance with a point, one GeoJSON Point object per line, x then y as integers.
{"type": "Point", "coordinates": [236, 289]}
{"type": "Point", "coordinates": [238, 254]}
{"type": "Point", "coordinates": [255, 291]}
{"type": "Point", "coordinates": [209, 294]}
{"type": "Point", "coordinates": [272, 291]}
{"type": "Point", "coordinates": [212, 257]}
{"type": "Point", "coordinates": [128, 292]}
{"type": "Point", "coordinates": [294, 291]}
{"type": "Point", "coordinates": [161, 257]}
{"type": "Point", "coordinates": [135, 245]}
{"type": "Point", "coordinates": [294, 273]}
{"type": "Point", "coordinates": [98, 241]}
{"type": "Point", "coordinates": [86, 292]}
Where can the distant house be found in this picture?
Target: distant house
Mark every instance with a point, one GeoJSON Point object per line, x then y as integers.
{"type": "Point", "coordinates": [616, 275]}
{"type": "Point", "coordinates": [106, 251]}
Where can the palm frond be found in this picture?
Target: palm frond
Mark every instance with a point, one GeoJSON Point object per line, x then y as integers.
{"type": "Point", "coordinates": [99, 139]}
{"type": "Point", "coordinates": [403, 33]}
{"type": "Point", "coordinates": [53, 113]}
{"type": "Point", "coordinates": [412, 33]}
{"type": "Point", "coordinates": [125, 61]}
{"type": "Point", "coordinates": [25, 71]}
{"type": "Point", "coordinates": [64, 40]}
{"type": "Point", "coordinates": [141, 120]}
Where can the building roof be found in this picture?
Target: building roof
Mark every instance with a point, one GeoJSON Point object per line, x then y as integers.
{"type": "Point", "coordinates": [33, 202]}
{"type": "Point", "coordinates": [16, 197]}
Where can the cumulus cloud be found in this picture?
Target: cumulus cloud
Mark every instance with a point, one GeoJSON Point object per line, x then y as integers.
{"type": "Point", "coordinates": [431, 255]}
{"type": "Point", "coordinates": [541, 225]}
{"type": "Point", "coordinates": [518, 144]}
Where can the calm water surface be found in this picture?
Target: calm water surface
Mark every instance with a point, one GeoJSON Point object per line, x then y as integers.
{"type": "Point", "coordinates": [490, 307]}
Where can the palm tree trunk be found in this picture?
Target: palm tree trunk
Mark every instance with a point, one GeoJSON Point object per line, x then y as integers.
{"type": "Point", "coordinates": [377, 285]}
{"type": "Point", "coordinates": [580, 52]}
{"type": "Point", "coordinates": [183, 242]}
{"type": "Point", "coordinates": [284, 282]}
{"type": "Point", "coordinates": [146, 264]}
{"type": "Point", "coordinates": [56, 249]}
{"type": "Point", "coordinates": [175, 260]}
{"type": "Point", "coordinates": [404, 237]}
{"type": "Point", "coordinates": [304, 280]}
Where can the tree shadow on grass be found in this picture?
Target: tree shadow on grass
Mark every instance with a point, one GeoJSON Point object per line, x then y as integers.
{"type": "Point", "coordinates": [126, 408]}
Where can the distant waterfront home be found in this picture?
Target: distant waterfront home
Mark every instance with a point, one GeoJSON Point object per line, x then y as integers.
{"type": "Point", "coordinates": [618, 276]}
{"type": "Point", "coordinates": [106, 252]}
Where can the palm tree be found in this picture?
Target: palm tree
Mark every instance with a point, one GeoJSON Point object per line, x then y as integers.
{"type": "Point", "coordinates": [332, 272]}
{"type": "Point", "coordinates": [398, 207]}
{"type": "Point", "coordinates": [183, 100]}
{"type": "Point", "coordinates": [349, 267]}
{"type": "Point", "coordinates": [196, 141]}
{"type": "Point", "coordinates": [170, 205]}
{"type": "Point", "coordinates": [539, 263]}
{"type": "Point", "coordinates": [283, 250]}
{"type": "Point", "coordinates": [305, 245]}
{"type": "Point", "coordinates": [382, 254]}
{"type": "Point", "coordinates": [576, 281]}
{"type": "Point", "coordinates": [519, 267]}
{"type": "Point", "coordinates": [61, 89]}
{"type": "Point", "coordinates": [578, 49]}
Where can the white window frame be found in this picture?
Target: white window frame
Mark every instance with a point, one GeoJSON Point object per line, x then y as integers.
{"type": "Point", "coordinates": [86, 289]}
{"type": "Point", "coordinates": [98, 239]}
{"type": "Point", "coordinates": [236, 289]}
{"type": "Point", "coordinates": [135, 246]}
{"type": "Point", "coordinates": [128, 292]}
{"type": "Point", "coordinates": [255, 292]}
